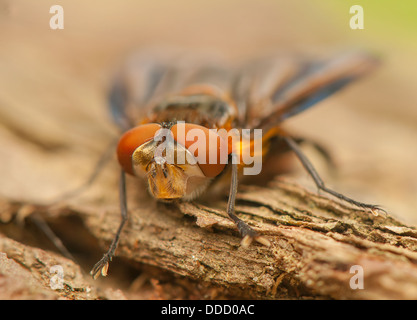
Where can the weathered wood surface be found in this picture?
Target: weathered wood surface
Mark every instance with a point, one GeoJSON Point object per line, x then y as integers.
{"type": "Point", "coordinates": [315, 242]}
{"type": "Point", "coordinates": [54, 126]}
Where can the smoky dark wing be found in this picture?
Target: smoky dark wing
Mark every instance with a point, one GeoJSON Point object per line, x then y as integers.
{"type": "Point", "coordinates": [266, 91]}
{"type": "Point", "coordinates": [133, 86]}
{"type": "Point", "coordinates": [255, 83]}
{"type": "Point", "coordinates": [281, 87]}
{"type": "Point", "coordinates": [150, 75]}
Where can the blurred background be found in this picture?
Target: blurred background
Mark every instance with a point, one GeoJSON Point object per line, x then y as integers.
{"type": "Point", "coordinates": [53, 84]}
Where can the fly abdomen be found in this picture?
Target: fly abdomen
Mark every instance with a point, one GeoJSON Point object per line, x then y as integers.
{"type": "Point", "coordinates": [200, 105]}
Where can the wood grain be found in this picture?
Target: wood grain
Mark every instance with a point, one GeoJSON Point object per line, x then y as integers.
{"type": "Point", "coordinates": [315, 243]}
{"type": "Point", "coordinates": [54, 125]}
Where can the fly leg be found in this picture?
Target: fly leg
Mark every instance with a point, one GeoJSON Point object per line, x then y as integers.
{"type": "Point", "coordinates": [319, 182]}
{"type": "Point", "coordinates": [46, 229]}
{"type": "Point", "coordinates": [103, 265]}
{"type": "Point", "coordinates": [247, 233]}
{"type": "Point", "coordinates": [319, 148]}
{"type": "Point", "coordinates": [43, 225]}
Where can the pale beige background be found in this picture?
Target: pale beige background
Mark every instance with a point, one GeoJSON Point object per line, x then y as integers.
{"type": "Point", "coordinates": [53, 87]}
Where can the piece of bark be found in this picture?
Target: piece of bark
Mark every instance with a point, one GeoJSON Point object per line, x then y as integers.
{"type": "Point", "coordinates": [28, 273]}
{"type": "Point", "coordinates": [54, 125]}
{"type": "Point", "coordinates": [315, 243]}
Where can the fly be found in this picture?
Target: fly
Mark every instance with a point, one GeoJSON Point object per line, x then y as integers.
{"type": "Point", "coordinates": [159, 102]}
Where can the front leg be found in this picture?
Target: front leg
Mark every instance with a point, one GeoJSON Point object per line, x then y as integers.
{"type": "Point", "coordinates": [102, 266]}
{"type": "Point", "coordinates": [247, 233]}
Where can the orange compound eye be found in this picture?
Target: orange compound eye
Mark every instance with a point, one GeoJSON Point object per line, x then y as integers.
{"type": "Point", "coordinates": [133, 139]}
{"type": "Point", "coordinates": [210, 150]}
